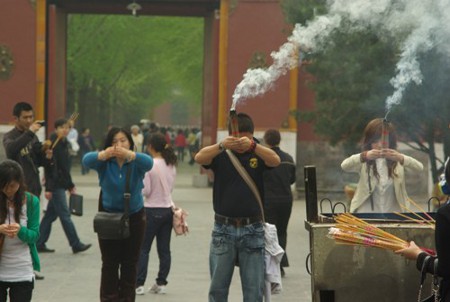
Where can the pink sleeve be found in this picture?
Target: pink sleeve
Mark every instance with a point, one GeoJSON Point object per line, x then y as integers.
{"type": "Point", "coordinates": [147, 185]}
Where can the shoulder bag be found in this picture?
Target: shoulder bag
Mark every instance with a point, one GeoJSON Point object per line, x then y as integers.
{"type": "Point", "coordinates": [435, 296]}
{"type": "Point", "coordinates": [114, 226]}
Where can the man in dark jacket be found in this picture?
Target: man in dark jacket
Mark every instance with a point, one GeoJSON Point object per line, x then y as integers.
{"type": "Point", "coordinates": [58, 180]}
{"type": "Point", "coordinates": [22, 145]}
{"type": "Point", "coordinates": [277, 191]}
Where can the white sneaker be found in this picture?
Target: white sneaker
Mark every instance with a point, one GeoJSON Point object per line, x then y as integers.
{"type": "Point", "coordinates": [158, 289]}
{"type": "Point", "coordinates": [140, 290]}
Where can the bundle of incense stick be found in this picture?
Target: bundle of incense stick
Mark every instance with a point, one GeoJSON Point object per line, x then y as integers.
{"type": "Point", "coordinates": [354, 231]}
{"type": "Point", "coordinates": [72, 118]}
{"type": "Point", "coordinates": [234, 123]}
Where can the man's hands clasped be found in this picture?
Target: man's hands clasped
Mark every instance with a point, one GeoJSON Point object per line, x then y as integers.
{"type": "Point", "coordinates": [237, 144]}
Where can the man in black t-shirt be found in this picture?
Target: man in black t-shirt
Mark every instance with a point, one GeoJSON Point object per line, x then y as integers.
{"type": "Point", "coordinates": [238, 234]}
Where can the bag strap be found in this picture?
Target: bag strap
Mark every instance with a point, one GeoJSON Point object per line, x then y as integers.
{"type": "Point", "coordinates": [435, 283]}
{"type": "Point", "coordinates": [126, 195]}
{"type": "Point", "coordinates": [244, 174]}
{"type": "Point", "coordinates": [370, 186]}
{"type": "Point", "coordinates": [423, 275]}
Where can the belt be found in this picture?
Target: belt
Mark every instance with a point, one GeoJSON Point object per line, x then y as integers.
{"type": "Point", "coordinates": [236, 221]}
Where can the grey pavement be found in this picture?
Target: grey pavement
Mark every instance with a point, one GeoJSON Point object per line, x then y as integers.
{"type": "Point", "coordinates": [76, 277]}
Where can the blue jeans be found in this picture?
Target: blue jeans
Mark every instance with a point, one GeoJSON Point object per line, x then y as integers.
{"type": "Point", "coordinates": [57, 207]}
{"type": "Point", "coordinates": [245, 244]}
{"type": "Point", "coordinates": [159, 225]}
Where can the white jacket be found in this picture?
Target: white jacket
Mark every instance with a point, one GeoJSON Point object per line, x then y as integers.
{"type": "Point", "coordinates": [354, 164]}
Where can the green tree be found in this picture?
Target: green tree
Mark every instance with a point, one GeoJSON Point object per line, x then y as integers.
{"type": "Point", "coordinates": [120, 68]}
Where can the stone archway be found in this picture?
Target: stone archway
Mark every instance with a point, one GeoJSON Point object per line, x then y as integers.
{"type": "Point", "coordinates": [58, 10]}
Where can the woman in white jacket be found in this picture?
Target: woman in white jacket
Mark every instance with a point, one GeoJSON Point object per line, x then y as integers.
{"type": "Point", "coordinates": [381, 187]}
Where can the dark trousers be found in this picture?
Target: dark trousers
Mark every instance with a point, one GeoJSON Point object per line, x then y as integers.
{"type": "Point", "coordinates": [18, 291]}
{"type": "Point", "coordinates": [119, 262]}
{"type": "Point", "coordinates": [159, 225]}
{"type": "Point", "coordinates": [279, 214]}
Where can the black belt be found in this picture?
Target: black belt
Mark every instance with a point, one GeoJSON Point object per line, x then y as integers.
{"type": "Point", "coordinates": [236, 221]}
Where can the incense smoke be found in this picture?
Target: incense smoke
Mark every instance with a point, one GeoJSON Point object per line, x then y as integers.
{"type": "Point", "coordinates": [420, 25]}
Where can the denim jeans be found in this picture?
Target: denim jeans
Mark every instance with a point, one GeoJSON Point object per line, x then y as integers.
{"type": "Point", "coordinates": [159, 225]}
{"type": "Point", "coordinates": [57, 207]}
{"type": "Point", "coordinates": [245, 244]}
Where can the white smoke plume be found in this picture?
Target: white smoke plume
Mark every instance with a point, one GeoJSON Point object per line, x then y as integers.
{"type": "Point", "coordinates": [420, 25]}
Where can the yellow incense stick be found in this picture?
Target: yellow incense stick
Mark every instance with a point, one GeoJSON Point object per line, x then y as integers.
{"type": "Point", "coordinates": [418, 216]}
{"type": "Point", "coordinates": [420, 208]}
{"type": "Point", "coordinates": [420, 221]}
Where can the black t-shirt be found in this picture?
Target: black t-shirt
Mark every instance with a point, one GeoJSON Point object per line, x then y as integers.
{"type": "Point", "coordinates": [232, 197]}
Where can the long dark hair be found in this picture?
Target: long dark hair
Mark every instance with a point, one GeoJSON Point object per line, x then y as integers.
{"type": "Point", "coordinates": [112, 132]}
{"type": "Point", "coordinates": [11, 171]}
{"type": "Point", "coordinates": [372, 133]}
{"type": "Point", "coordinates": [158, 143]}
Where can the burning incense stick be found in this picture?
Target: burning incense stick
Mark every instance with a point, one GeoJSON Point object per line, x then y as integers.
{"type": "Point", "coordinates": [234, 123]}
{"type": "Point", "coordinates": [420, 208]}
{"type": "Point", "coordinates": [385, 134]}
{"type": "Point", "coordinates": [419, 221]}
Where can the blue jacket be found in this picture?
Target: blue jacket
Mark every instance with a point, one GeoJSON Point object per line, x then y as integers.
{"type": "Point", "coordinates": [112, 180]}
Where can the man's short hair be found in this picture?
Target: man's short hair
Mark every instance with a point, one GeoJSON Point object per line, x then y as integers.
{"type": "Point", "coordinates": [21, 106]}
{"type": "Point", "coordinates": [60, 122]}
{"type": "Point", "coordinates": [245, 123]}
{"type": "Point", "coordinates": [272, 137]}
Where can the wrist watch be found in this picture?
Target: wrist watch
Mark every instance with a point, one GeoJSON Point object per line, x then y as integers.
{"type": "Point", "coordinates": [221, 147]}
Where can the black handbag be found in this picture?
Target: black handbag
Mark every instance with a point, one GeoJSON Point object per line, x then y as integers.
{"type": "Point", "coordinates": [76, 204]}
{"type": "Point", "coordinates": [114, 226]}
{"type": "Point", "coordinates": [435, 295]}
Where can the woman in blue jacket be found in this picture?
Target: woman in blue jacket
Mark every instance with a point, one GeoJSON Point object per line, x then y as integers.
{"type": "Point", "coordinates": [120, 257]}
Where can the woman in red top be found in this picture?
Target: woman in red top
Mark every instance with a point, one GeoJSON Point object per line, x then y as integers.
{"type": "Point", "coordinates": [180, 144]}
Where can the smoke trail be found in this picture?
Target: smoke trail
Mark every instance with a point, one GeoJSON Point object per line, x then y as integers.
{"type": "Point", "coordinates": [422, 23]}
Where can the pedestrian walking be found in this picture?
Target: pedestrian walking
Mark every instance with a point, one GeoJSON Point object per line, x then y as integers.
{"type": "Point", "coordinates": [57, 181]}
{"type": "Point", "coordinates": [278, 193]}
{"type": "Point", "coordinates": [180, 144]}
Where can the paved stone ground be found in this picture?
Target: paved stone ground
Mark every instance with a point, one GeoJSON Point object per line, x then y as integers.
{"type": "Point", "coordinates": [75, 278]}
